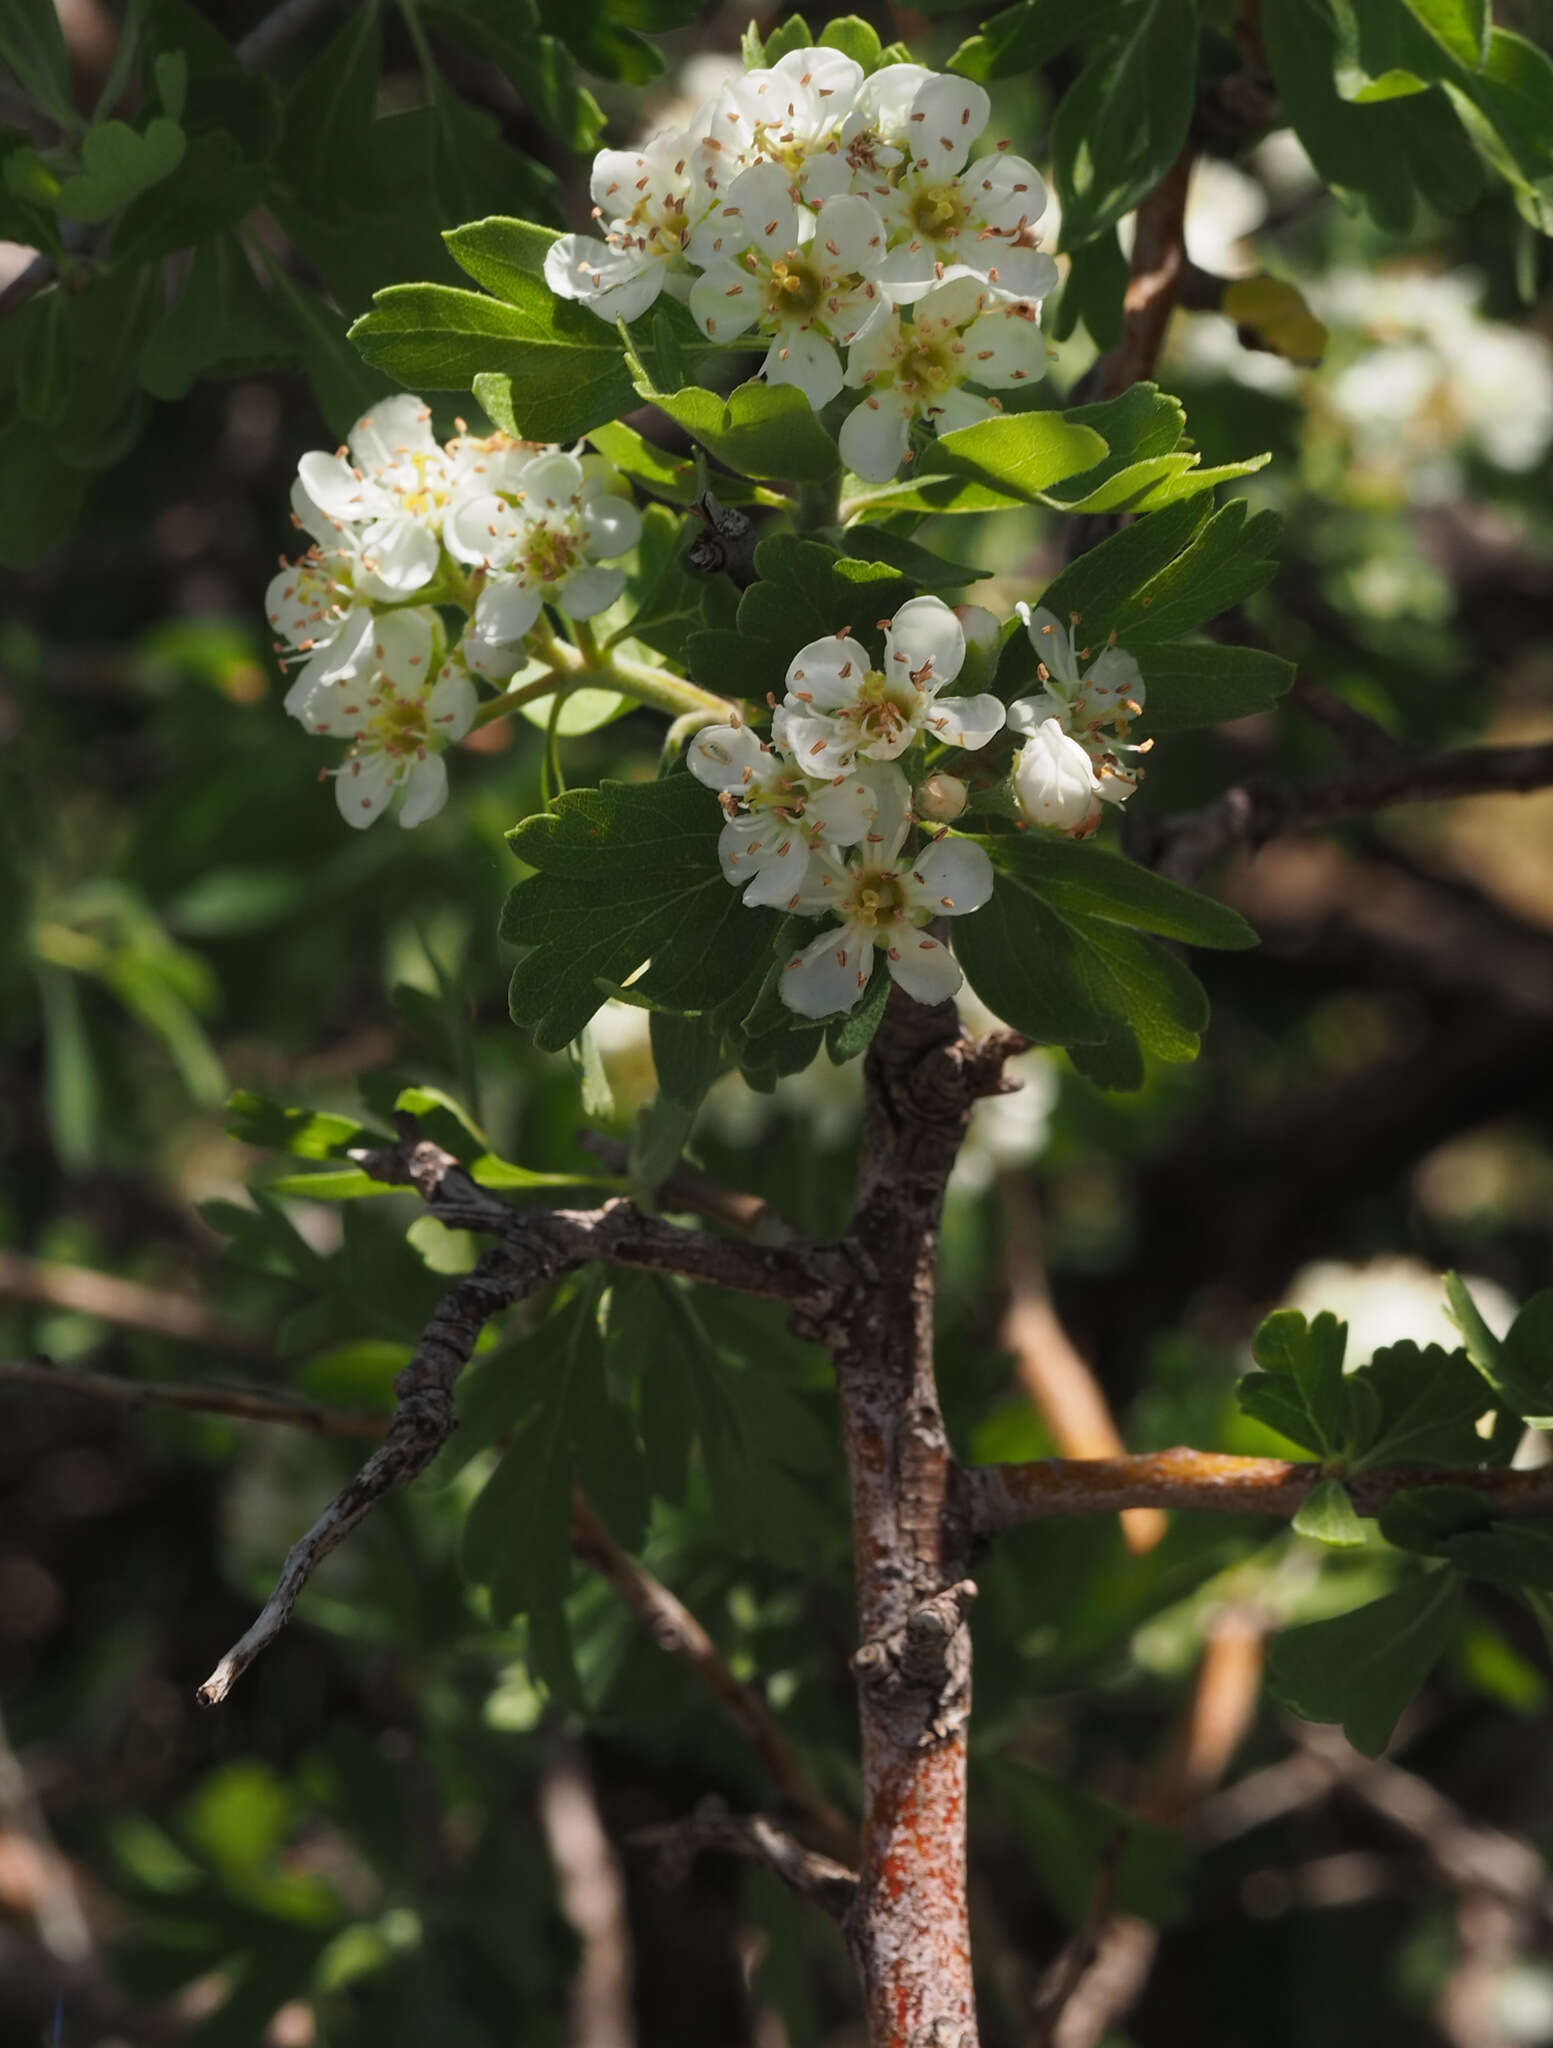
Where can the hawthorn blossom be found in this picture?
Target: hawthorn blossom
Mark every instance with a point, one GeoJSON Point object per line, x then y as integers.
{"type": "Point", "coordinates": [962, 332]}
{"type": "Point", "coordinates": [398, 734]}
{"type": "Point", "coordinates": [791, 113]}
{"type": "Point", "coordinates": [1055, 783]}
{"type": "Point", "coordinates": [777, 816]}
{"type": "Point", "coordinates": [837, 707]}
{"type": "Point", "coordinates": [401, 648]}
{"type": "Point", "coordinates": [542, 541]}
{"type": "Point", "coordinates": [318, 622]}
{"type": "Point", "coordinates": [647, 200]}
{"type": "Point", "coordinates": [805, 279]}
{"type": "Point", "coordinates": [381, 499]}
{"type": "Point", "coordinates": [1083, 698]}
{"type": "Point", "coordinates": [883, 897]}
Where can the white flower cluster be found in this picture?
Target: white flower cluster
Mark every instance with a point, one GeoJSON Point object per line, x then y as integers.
{"type": "Point", "coordinates": [819, 816]}
{"type": "Point", "coordinates": [810, 204]}
{"type": "Point", "coordinates": [401, 525]}
{"type": "Point", "coordinates": [1076, 748]}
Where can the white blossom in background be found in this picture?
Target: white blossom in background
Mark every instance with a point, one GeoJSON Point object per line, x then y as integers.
{"type": "Point", "coordinates": [838, 707]}
{"type": "Point", "coordinates": [777, 816]}
{"type": "Point", "coordinates": [543, 540]}
{"type": "Point", "coordinates": [961, 332]}
{"type": "Point", "coordinates": [1085, 710]}
{"type": "Point", "coordinates": [884, 898]}
{"type": "Point", "coordinates": [1390, 1300]}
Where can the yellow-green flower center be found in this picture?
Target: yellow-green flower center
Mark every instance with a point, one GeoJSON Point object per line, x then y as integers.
{"type": "Point", "coordinates": [928, 367]}
{"type": "Point", "coordinates": [937, 211]}
{"type": "Point", "coordinates": [877, 898]}
{"type": "Point", "coordinates": [795, 286]}
{"type": "Point", "coordinates": [400, 727]}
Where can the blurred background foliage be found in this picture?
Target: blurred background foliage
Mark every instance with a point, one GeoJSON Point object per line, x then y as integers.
{"type": "Point", "coordinates": [392, 1832]}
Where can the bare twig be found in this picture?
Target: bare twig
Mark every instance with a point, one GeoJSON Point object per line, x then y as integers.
{"type": "Point", "coordinates": [534, 1247]}
{"type": "Point", "coordinates": [829, 1884]}
{"type": "Point", "coordinates": [1000, 1497]}
{"type": "Point", "coordinates": [245, 1405]}
{"type": "Point", "coordinates": [1254, 811]}
{"type": "Point", "coordinates": [126, 1303]}
{"type": "Point", "coordinates": [1157, 270]}
{"type": "Point", "coordinates": [676, 1631]}
{"type": "Point", "coordinates": [1055, 1377]}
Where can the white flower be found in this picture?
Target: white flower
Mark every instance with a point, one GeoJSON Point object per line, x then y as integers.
{"type": "Point", "coordinates": [384, 504]}
{"type": "Point", "coordinates": [777, 816]}
{"type": "Point", "coordinates": [312, 608]}
{"type": "Point", "coordinates": [838, 708]}
{"type": "Point", "coordinates": [791, 114]}
{"type": "Point", "coordinates": [962, 332]}
{"type": "Point", "coordinates": [1055, 783]}
{"type": "Point", "coordinates": [943, 214]}
{"type": "Point", "coordinates": [803, 278]}
{"type": "Point", "coordinates": [1084, 700]}
{"type": "Point", "coordinates": [647, 199]}
{"type": "Point", "coordinates": [882, 898]}
{"type": "Point", "coordinates": [541, 541]}
{"type": "Point", "coordinates": [401, 648]}
{"type": "Point", "coordinates": [398, 736]}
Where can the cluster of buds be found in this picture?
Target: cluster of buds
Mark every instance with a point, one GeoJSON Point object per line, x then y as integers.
{"type": "Point", "coordinates": [1077, 755]}
{"type": "Point", "coordinates": [402, 525]}
{"type": "Point", "coordinates": [829, 212]}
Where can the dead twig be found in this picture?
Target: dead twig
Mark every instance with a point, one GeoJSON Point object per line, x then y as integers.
{"type": "Point", "coordinates": [829, 1884]}
{"type": "Point", "coordinates": [240, 1402]}
{"type": "Point", "coordinates": [128, 1304]}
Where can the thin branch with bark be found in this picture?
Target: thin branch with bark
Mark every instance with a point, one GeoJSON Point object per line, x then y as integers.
{"type": "Point", "coordinates": [752, 1835]}
{"type": "Point", "coordinates": [127, 1304]}
{"type": "Point", "coordinates": [240, 1402]}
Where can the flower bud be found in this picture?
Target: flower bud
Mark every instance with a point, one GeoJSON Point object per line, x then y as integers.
{"type": "Point", "coordinates": [983, 645]}
{"type": "Point", "coordinates": [1054, 782]}
{"type": "Point", "coordinates": [941, 799]}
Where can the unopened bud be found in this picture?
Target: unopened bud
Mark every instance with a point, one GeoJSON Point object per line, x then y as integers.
{"type": "Point", "coordinates": [941, 799]}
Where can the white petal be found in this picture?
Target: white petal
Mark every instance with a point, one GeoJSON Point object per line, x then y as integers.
{"type": "Point", "coordinates": [951, 878]}
{"type": "Point", "coordinates": [1024, 273]}
{"type": "Point", "coordinates": [1112, 680]}
{"type": "Point", "coordinates": [551, 481]}
{"type": "Point", "coordinates": [349, 652]}
{"type": "Point", "coordinates": [875, 351]}
{"type": "Point", "coordinates": [407, 646]}
{"type": "Point", "coordinates": [301, 607]}
{"type": "Point", "coordinates": [959, 409]}
{"type": "Point", "coordinates": [363, 787]}
{"type": "Point", "coordinates": [885, 100]}
{"type": "Point", "coordinates": [875, 435]}
{"type": "Point", "coordinates": [909, 272]}
{"type": "Point", "coordinates": [496, 660]}
{"type": "Point", "coordinates": [337, 491]}
{"type": "Point", "coordinates": [1054, 781]}
{"type": "Point", "coordinates": [954, 303]}
{"type": "Point", "coordinates": [425, 790]}
{"type": "Point", "coordinates": [481, 528]}
{"type": "Point", "coordinates": [925, 635]}
{"type": "Point", "coordinates": [783, 862]}
{"type": "Point", "coordinates": [620, 179]}
{"type": "Point", "coordinates": [587, 592]}
{"type": "Point", "coordinates": [849, 236]}
{"type": "Point", "coordinates": [966, 721]}
{"type": "Point", "coordinates": [817, 746]}
{"type": "Point", "coordinates": [801, 357]}
{"type": "Point", "coordinates": [1005, 191]}
{"type": "Point", "coordinates": [1005, 347]}
{"type": "Point", "coordinates": [395, 426]}
{"type": "Point", "coordinates": [724, 756]}
{"type": "Point", "coordinates": [1053, 644]}
{"type": "Point", "coordinates": [826, 674]}
{"type": "Point", "coordinates": [892, 810]}
{"type": "Point", "coordinates": [724, 302]}
{"type": "Point", "coordinates": [311, 516]}
{"type": "Point", "coordinates": [825, 75]}
{"type": "Point", "coordinates": [760, 201]}
{"type": "Point", "coordinates": [611, 525]}
{"type": "Point", "coordinates": [451, 707]}
{"type": "Point", "coordinates": [399, 555]}
{"type": "Point", "coordinates": [830, 974]}
{"type": "Point", "coordinates": [1029, 714]}
{"type": "Point", "coordinates": [505, 610]}
{"type": "Point", "coordinates": [851, 310]}
{"type": "Point", "coordinates": [616, 284]}
{"type": "Point", "coordinates": [924, 968]}
{"type": "Point", "coordinates": [947, 116]}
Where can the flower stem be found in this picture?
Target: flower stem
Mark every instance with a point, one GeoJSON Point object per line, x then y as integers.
{"type": "Point", "coordinates": [609, 669]}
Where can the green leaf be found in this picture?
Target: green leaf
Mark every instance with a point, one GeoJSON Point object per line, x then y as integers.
{"type": "Point", "coordinates": [1020, 958]}
{"type": "Point", "coordinates": [1431, 1402]}
{"type": "Point", "coordinates": [1229, 559]}
{"type": "Point", "coordinates": [761, 430]}
{"type": "Point", "coordinates": [686, 1056]}
{"type": "Point", "coordinates": [448, 1124]}
{"type": "Point", "coordinates": [1161, 1002]}
{"type": "Point", "coordinates": [1458, 1524]}
{"type": "Point", "coordinates": [222, 324]}
{"type": "Point", "coordinates": [1300, 1390]}
{"type": "Point", "coordinates": [33, 45]}
{"type": "Point", "coordinates": [1359, 151]}
{"type": "Point", "coordinates": [803, 591]}
{"type": "Point", "coordinates": [626, 873]}
{"type": "Point", "coordinates": [923, 567]}
{"type": "Point", "coordinates": [1093, 294]}
{"type": "Point", "coordinates": [118, 163]}
{"type": "Point", "coordinates": [1122, 125]}
{"type": "Point", "coordinates": [1021, 455]}
{"type": "Point", "coordinates": [1460, 26]}
{"type": "Point", "coordinates": [848, 1036]}
{"type": "Point", "coordinates": [1103, 578]}
{"type": "Point", "coordinates": [794, 34]}
{"type": "Point", "coordinates": [1327, 1515]}
{"type": "Point", "coordinates": [1521, 1374]}
{"type": "Point", "coordinates": [343, 385]}
{"type": "Point", "coordinates": [855, 38]}
{"type": "Point", "coordinates": [305, 1133]}
{"type": "Point", "coordinates": [1362, 1668]}
{"type": "Point", "coordinates": [1199, 682]}
{"type": "Point", "coordinates": [1097, 883]}
{"type": "Point", "coordinates": [1024, 37]}
{"type": "Point", "coordinates": [536, 61]}
{"type": "Point", "coordinates": [325, 154]}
